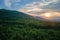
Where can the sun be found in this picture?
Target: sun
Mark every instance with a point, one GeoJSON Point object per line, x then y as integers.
{"type": "Point", "coordinates": [47, 15]}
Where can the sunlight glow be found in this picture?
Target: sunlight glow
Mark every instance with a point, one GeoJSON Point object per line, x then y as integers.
{"type": "Point", "coordinates": [47, 15]}
{"type": "Point", "coordinates": [51, 15]}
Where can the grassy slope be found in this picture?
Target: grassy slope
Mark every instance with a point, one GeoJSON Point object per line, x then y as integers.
{"type": "Point", "coordinates": [19, 26]}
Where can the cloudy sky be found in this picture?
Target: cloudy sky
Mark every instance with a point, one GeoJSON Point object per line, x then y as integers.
{"type": "Point", "coordinates": [32, 7]}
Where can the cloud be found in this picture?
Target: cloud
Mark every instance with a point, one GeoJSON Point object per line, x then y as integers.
{"type": "Point", "coordinates": [46, 2]}
{"type": "Point", "coordinates": [7, 3]}
{"type": "Point", "coordinates": [37, 6]}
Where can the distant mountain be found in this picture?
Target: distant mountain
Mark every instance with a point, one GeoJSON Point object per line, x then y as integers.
{"type": "Point", "coordinates": [13, 15]}
{"type": "Point", "coordinates": [57, 20]}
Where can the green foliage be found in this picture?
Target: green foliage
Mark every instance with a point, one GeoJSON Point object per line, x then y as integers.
{"type": "Point", "coordinates": [21, 32]}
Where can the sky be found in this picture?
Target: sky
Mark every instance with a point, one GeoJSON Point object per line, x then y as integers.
{"type": "Point", "coordinates": [30, 5]}
{"type": "Point", "coordinates": [14, 4]}
{"type": "Point", "coordinates": [33, 7]}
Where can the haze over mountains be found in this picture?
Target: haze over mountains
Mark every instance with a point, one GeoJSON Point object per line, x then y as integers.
{"type": "Point", "coordinates": [8, 14]}
{"type": "Point", "coordinates": [54, 15]}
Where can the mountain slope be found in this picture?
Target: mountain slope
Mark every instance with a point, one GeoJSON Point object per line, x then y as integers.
{"type": "Point", "coordinates": [12, 15]}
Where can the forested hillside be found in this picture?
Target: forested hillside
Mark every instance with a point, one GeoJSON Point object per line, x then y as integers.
{"type": "Point", "coordinates": [20, 26]}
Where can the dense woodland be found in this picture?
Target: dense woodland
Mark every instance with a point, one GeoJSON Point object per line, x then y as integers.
{"type": "Point", "coordinates": [20, 26]}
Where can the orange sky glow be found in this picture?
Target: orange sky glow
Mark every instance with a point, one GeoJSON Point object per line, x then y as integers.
{"type": "Point", "coordinates": [49, 15]}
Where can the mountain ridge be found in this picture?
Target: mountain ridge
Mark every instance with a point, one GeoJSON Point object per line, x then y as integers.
{"type": "Point", "coordinates": [13, 15]}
